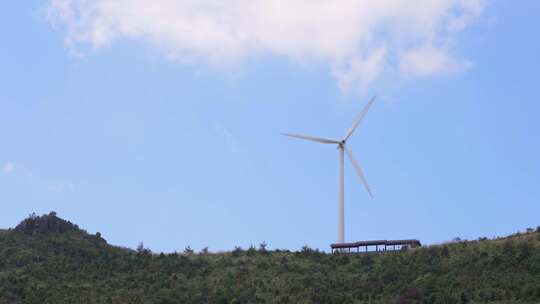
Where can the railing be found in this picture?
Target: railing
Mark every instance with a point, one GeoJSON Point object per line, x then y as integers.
{"type": "Point", "coordinates": [379, 246]}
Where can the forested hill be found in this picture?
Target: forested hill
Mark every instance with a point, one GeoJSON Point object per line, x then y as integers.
{"type": "Point", "coordinates": [49, 260]}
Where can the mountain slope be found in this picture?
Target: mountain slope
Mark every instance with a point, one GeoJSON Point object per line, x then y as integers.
{"type": "Point", "coordinates": [42, 263]}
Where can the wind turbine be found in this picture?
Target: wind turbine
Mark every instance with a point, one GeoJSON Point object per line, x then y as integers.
{"type": "Point", "coordinates": [342, 147]}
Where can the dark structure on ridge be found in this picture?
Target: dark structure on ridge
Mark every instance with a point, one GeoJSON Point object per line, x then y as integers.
{"type": "Point", "coordinates": [380, 246]}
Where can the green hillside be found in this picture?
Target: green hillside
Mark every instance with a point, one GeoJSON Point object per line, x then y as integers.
{"type": "Point", "coordinates": [48, 260]}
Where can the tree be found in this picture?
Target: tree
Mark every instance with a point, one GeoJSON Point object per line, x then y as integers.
{"type": "Point", "coordinates": [262, 246]}
{"type": "Point", "coordinates": [188, 250]}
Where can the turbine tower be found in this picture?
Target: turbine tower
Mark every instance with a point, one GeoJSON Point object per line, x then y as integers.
{"type": "Point", "coordinates": [342, 147]}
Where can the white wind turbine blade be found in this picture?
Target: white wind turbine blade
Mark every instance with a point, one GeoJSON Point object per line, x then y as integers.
{"type": "Point", "coordinates": [358, 118]}
{"type": "Point", "coordinates": [358, 171]}
{"type": "Point", "coordinates": [312, 138]}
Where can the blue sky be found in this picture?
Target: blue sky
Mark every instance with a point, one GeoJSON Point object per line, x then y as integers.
{"type": "Point", "coordinates": [137, 136]}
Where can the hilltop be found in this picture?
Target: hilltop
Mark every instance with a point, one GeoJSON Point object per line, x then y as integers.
{"type": "Point", "coordinates": [46, 259]}
{"type": "Point", "coordinates": [48, 223]}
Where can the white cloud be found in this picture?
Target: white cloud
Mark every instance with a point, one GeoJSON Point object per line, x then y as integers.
{"type": "Point", "coordinates": [356, 39]}
{"type": "Point", "coordinates": [428, 60]}
{"type": "Point", "coordinates": [360, 71]}
{"type": "Point", "coordinates": [8, 167]}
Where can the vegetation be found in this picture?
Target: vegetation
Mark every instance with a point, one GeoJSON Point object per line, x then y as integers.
{"type": "Point", "coordinates": [48, 260]}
